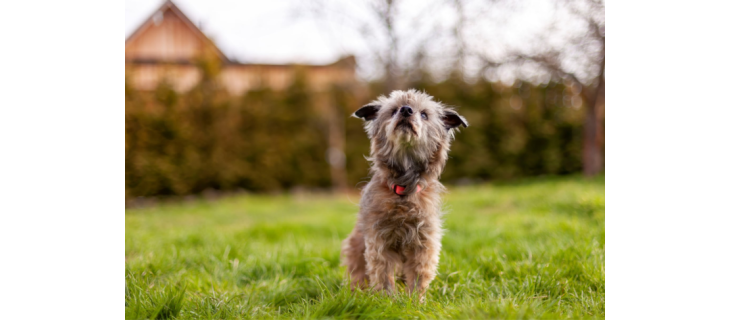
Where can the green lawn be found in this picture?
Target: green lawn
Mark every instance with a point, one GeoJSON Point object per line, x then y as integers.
{"type": "Point", "coordinates": [528, 249]}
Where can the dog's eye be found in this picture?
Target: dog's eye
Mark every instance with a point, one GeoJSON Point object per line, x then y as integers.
{"type": "Point", "coordinates": [424, 116]}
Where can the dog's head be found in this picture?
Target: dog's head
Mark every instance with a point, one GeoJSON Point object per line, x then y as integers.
{"type": "Point", "coordinates": [410, 133]}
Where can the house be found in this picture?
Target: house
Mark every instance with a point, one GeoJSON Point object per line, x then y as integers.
{"type": "Point", "coordinates": [167, 46]}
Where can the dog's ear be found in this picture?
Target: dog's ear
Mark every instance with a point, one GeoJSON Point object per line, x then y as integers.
{"type": "Point", "coordinates": [368, 112]}
{"type": "Point", "coordinates": [452, 119]}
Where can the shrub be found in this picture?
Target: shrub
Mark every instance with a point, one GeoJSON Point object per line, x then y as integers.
{"type": "Point", "coordinates": [185, 143]}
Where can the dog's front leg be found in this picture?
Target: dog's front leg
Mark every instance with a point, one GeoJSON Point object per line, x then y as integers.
{"type": "Point", "coordinates": [353, 256]}
{"type": "Point", "coordinates": [421, 266]}
{"type": "Point", "coordinates": [380, 265]}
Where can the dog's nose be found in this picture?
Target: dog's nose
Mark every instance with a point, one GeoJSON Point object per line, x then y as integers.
{"type": "Point", "coordinates": [406, 111]}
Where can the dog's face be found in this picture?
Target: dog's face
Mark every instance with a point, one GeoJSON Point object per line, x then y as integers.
{"type": "Point", "coordinates": [408, 128]}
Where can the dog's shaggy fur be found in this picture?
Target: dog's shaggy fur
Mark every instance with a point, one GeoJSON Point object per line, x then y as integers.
{"type": "Point", "coordinates": [401, 230]}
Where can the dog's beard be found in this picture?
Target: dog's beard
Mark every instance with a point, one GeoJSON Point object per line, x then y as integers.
{"type": "Point", "coordinates": [404, 135]}
{"type": "Point", "coordinates": [405, 128]}
{"type": "Point", "coordinates": [405, 150]}
{"type": "Point", "coordinates": [406, 157]}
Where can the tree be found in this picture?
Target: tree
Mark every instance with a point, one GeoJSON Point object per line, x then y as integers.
{"type": "Point", "coordinates": [387, 35]}
{"type": "Point", "coordinates": [579, 59]}
{"type": "Point", "coordinates": [433, 39]}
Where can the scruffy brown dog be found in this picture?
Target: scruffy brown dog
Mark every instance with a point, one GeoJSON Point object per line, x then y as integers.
{"type": "Point", "coordinates": [399, 223]}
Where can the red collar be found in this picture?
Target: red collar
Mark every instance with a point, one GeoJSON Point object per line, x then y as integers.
{"type": "Point", "coordinates": [400, 189]}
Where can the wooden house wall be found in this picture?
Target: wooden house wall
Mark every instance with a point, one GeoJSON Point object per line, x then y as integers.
{"type": "Point", "coordinates": [170, 40]}
{"type": "Point", "coordinates": [148, 76]}
{"type": "Point", "coordinates": [238, 79]}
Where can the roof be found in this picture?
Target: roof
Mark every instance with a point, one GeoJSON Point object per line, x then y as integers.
{"type": "Point", "coordinates": [168, 5]}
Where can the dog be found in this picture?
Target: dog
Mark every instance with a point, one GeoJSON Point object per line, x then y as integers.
{"type": "Point", "coordinates": [399, 223]}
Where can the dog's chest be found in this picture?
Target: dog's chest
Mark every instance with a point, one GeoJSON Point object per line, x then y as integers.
{"type": "Point", "coordinates": [401, 224]}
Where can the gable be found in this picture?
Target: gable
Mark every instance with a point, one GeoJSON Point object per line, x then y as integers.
{"type": "Point", "coordinates": [168, 36]}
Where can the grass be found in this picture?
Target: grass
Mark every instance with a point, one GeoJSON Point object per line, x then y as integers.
{"type": "Point", "coordinates": [528, 249]}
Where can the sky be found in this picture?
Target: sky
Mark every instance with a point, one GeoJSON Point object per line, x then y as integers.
{"type": "Point", "coordinates": [322, 31]}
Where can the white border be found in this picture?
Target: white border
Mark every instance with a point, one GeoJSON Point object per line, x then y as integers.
{"type": "Point", "coordinates": [62, 159]}
{"type": "Point", "coordinates": [667, 160]}
{"type": "Point", "coordinates": [62, 163]}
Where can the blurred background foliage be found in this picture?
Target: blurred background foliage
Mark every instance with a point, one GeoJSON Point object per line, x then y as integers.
{"type": "Point", "coordinates": [269, 141]}
{"type": "Point", "coordinates": [532, 91]}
